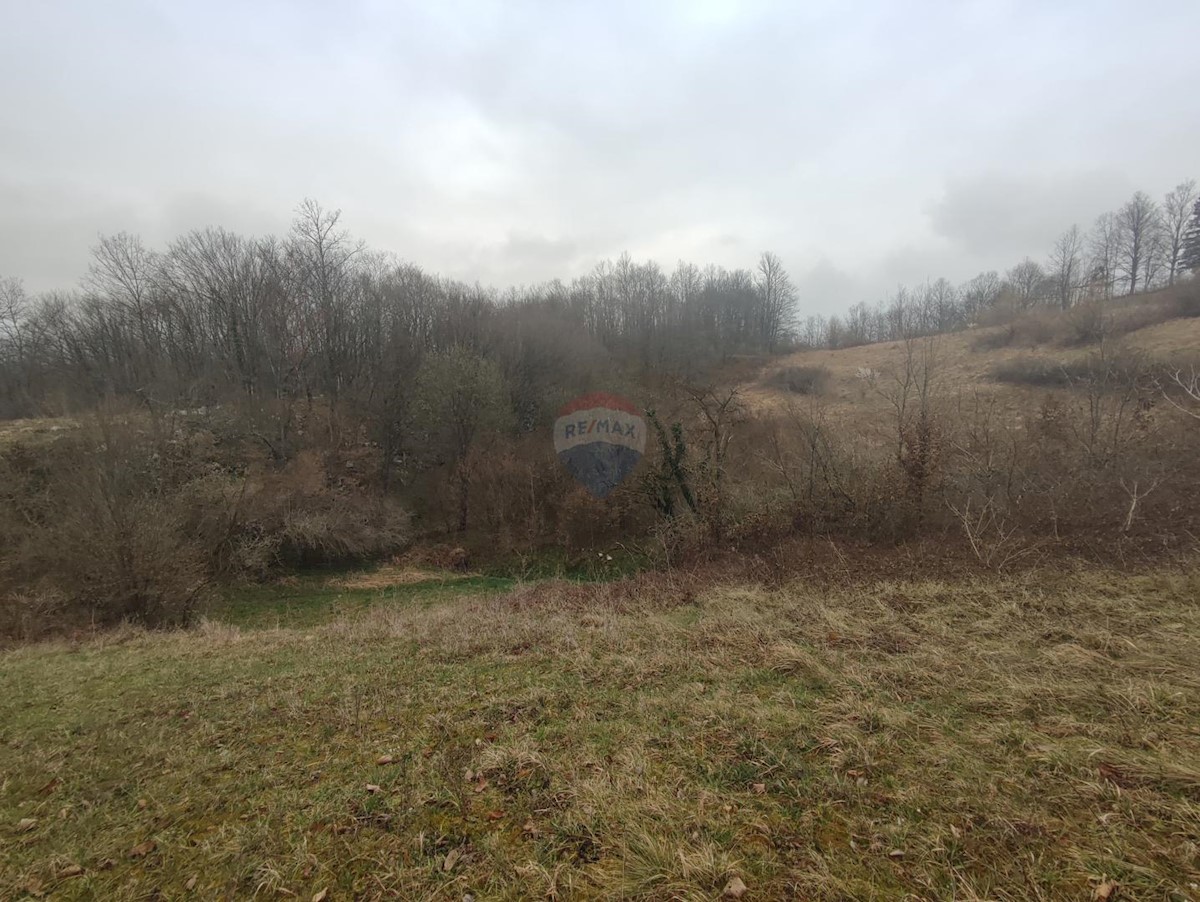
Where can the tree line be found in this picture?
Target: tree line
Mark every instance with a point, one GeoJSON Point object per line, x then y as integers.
{"type": "Point", "coordinates": [318, 313]}
{"type": "Point", "coordinates": [1142, 246]}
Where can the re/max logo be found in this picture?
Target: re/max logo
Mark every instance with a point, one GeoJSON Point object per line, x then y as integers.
{"type": "Point", "coordinates": [598, 427]}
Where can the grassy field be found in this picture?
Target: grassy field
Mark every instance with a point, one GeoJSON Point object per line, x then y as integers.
{"type": "Point", "coordinates": [1036, 737]}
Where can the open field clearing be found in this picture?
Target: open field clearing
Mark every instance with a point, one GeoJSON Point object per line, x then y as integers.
{"type": "Point", "coordinates": [1034, 737]}
{"type": "Point", "coordinates": [964, 370]}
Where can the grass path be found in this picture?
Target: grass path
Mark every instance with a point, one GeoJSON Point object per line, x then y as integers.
{"type": "Point", "coordinates": [1021, 739]}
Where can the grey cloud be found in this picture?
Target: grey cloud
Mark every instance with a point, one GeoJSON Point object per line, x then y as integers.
{"type": "Point", "coordinates": [994, 213]}
{"type": "Point", "coordinates": [522, 141]}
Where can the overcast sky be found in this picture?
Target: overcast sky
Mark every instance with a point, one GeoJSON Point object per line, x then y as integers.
{"type": "Point", "coordinates": [867, 143]}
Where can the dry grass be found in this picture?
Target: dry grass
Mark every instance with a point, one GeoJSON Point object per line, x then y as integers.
{"type": "Point", "coordinates": [1025, 738]}
{"type": "Point", "coordinates": [388, 575]}
{"type": "Point", "coordinates": [963, 370]}
{"type": "Point", "coordinates": [35, 431]}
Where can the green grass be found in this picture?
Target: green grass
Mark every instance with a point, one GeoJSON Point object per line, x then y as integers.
{"type": "Point", "coordinates": [311, 599]}
{"type": "Point", "coordinates": [1019, 739]}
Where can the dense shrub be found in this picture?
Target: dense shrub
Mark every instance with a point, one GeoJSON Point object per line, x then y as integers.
{"type": "Point", "coordinates": [1187, 298]}
{"type": "Point", "coordinates": [1109, 369]}
{"type": "Point", "coordinates": [802, 380]}
{"type": "Point", "coordinates": [126, 521]}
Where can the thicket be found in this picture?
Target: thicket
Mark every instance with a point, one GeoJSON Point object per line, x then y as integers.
{"type": "Point", "coordinates": [244, 407]}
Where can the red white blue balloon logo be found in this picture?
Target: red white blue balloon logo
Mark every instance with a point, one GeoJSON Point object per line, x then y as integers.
{"type": "Point", "coordinates": [599, 438]}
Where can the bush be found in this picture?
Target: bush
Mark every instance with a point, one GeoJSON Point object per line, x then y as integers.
{"type": "Point", "coordinates": [1042, 372]}
{"type": "Point", "coordinates": [117, 523]}
{"type": "Point", "coordinates": [1187, 298]}
{"type": "Point", "coordinates": [1122, 368]}
{"type": "Point", "coordinates": [105, 532]}
{"type": "Point", "coordinates": [802, 380]}
{"type": "Point", "coordinates": [1005, 329]}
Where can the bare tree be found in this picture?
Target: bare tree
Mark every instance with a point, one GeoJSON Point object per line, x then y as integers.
{"type": "Point", "coordinates": [14, 369]}
{"type": "Point", "coordinates": [1103, 247]}
{"type": "Point", "coordinates": [1026, 281]}
{"type": "Point", "coordinates": [1176, 211]}
{"type": "Point", "coordinates": [777, 299]}
{"type": "Point", "coordinates": [721, 411]}
{"type": "Point", "coordinates": [1137, 224]}
{"type": "Point", "coordinates": [1185, 384]}
{"type": "Point", "coordinates": [980, 293]}
{"type": "Point", "coordinates": [460, 396]}
{"type": "Point", "coordinates": [1065, 266]}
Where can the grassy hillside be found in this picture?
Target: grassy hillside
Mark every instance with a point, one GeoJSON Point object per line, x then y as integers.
{"type": "Point", "coordinates": [966, 363]}
{"type": "Point", "coordinates": [655, 737]}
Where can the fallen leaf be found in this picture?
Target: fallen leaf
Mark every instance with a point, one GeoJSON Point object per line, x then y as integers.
{"type": "Point", "coordinates": [451, 859]}
{"type": "Point", "coordinates": [530, 828]}
{"type": "Point", "coordinates": [320, 895]}
{"type": "Point", "coordinates": [374, 788]}
{"type": "Point", "coordinates": [468, 775]}
{"type": "Point", "coordinates": [384, 759]}
{"type": "Point", "coordinates": [26, 824]}
{"type": "Point", "coordinates": [481, 785]}
{"type": "Point", "coordinates": [33, 886]}
{"type": "Point", "coordinates": [1105, 891]}
{"type": "Point", "coordinates": [495, 815]}
{"type": "Point", "coordinates": [142, 849]}
{"type": "Point", "coordinates": [191, 883]}
{"type": "Point", "coordinates": [896, 853]}
{"type": "Point", "coordinates": [71, 870]}
{"type": "Point", "coordinates": [735, 888]}
{"type": "Point", "coordinates": [142, 804]}
{"type": "Point", "coordinates": [107, 864]}
{"type": "Point", "coordinates": [759, 788]}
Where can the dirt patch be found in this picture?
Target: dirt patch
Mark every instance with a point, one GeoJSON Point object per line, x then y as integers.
{"type": "Point", "coordinates": [389, 575]}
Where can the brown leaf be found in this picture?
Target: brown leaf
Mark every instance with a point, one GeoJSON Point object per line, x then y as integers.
{"type": "Point", "coordinates": [71, 870]}
{"type": "Point", "coordinates": [384, 759]}
{"type": "Point", "coordinates": [735, 888]}
{"type": "Point", "coordinates": [191, 883]}
{"type": "Point", "coordinates": [321, 895]}
{"type": "Point", "coordinates": [896, 854]}
{"type": "Point", "coordinates": [1105, 891]}
{"type": "Point", "coordinates": [142, 803]}
{"type": "Point", "coordinates": [142, 849]}
{"type": "Point", "coordinates": [33, 886]}
{"type": "Point", "coordinates": [451, 859]}
{"type": "Point", "coordinates": [481, 785]}
{"type": "Point", "coordinates": [26, 824]}
{"type": "Point", "coordinates": [758, 788]}
{"type": "Point", "coordinates": [530, 829]}
{"type": "Point", "coordinates": [107, 864]}
{"type": "Point", "coordinates": [374, 788]}
{"type": "Point", "coordinates": [495, 815]}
